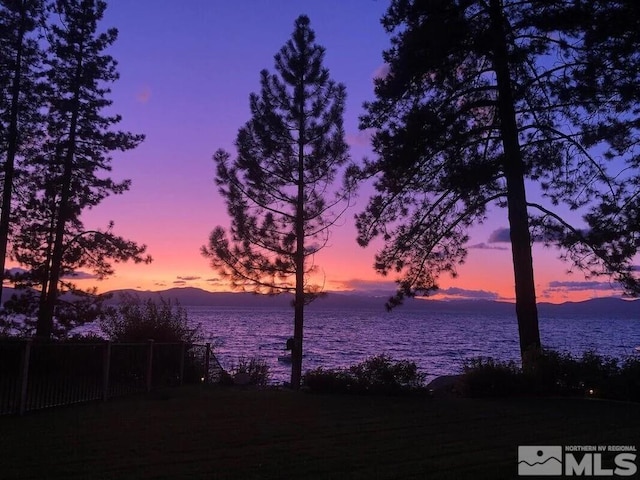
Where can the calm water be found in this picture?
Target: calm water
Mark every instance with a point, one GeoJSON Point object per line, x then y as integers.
{"type": "Point", "coordinates": [438, 342]}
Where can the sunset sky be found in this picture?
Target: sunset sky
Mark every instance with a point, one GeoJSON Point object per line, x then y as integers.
{"type": "Point", "coordinates": [187, 69]}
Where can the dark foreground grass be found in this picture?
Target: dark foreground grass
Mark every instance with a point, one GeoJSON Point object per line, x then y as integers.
{"type": "Point", "coordinates": [210, 433]}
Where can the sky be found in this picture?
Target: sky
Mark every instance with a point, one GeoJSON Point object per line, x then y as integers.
{"type": "Point", "coordinates": [187, 68]}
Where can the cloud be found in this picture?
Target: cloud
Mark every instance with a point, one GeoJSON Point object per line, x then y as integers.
{"type": "Point", "coordinates": [160, 284]}
{"type": "Point", "coordinates": [385, 286]}
{"type": "Point", "coordinates": [188, 278]}
{"type": "Point", "coordinates": [80, 275]}
{"type": "Point", "coordinates": [463, 293]}
{"type": "Point", "coordinates": [574, 286]}
{"type": "Point", "coordinates": [381, 72]}
{"type": "Point", "coordinates": [179, 282]}
{"type": "Point", "coordinates": [360, 139]}
{"type": "Point", "coordinates": [501, 235]}
{"type": "Point", "coordinates": [144, 95]}
{"type": "Point", "coordinates": [484, 246]}
{"type": "Point", "coordinates": [214, 281]}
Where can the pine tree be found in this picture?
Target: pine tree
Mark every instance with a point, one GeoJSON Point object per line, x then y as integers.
{"type": "Point", "coordinates": [601, 90]}
{"type": "Point", "coordinates": [20, 121]}
{"type": "Point", "coordinates": [67, 175]}
{"type": "Point", "coordinates": [472, 112]}
{"type": "Point", "coordinates": [278, 188]}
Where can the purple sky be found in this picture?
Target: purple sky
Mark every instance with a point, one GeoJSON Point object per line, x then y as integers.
{"type": "Point", "coordinates": [187, 69]}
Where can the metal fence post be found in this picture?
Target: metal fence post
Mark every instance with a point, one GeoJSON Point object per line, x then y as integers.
{"type": "Point", "coordinates": [207, 357]}
{"type": "Point", "coordinates": [106, 367]}
{"type": "Point", "coordinates": [24, 374]}
{"type": "Point", "coordinates": [150, 366]}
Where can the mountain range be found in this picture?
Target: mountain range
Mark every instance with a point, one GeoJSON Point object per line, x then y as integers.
{"type": "Point", "coordinates": [189, 296]}
{"type": "Point", "coordinates": [196, 297]}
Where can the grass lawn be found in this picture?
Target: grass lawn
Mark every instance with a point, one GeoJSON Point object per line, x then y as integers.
{"type": "Point", "coordinates": [210, 433]}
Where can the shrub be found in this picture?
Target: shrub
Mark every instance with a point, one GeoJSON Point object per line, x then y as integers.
{"type": "Point", "coordinates": [382, 373]}
{"type": "Point", "coordinates": [486, 377]}
{"type": "Point", "coordinates": [322, 380]}
{"type": "Point", "coordinates": [629, 379]}
{"type": "Point", "coordinates": [597, 375]}
{"type": "Point", "coordinates": [137, 321]}
{"type": "Point", "coordinates": [134, 320]}
{"type": "Point", "coordinates": [555, 373]}
{"type": "Point", "coordinates": [378, 374]}
{"type": "Point", "coordinates": [564, 374]}
{"type": "Point", "coordinates": [256, 368]}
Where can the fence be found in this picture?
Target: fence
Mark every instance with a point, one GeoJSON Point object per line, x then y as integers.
{"type": "Point", "coordinates": [36, 375]}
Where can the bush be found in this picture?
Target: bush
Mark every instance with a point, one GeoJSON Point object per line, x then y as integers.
{"type": "Point", "coordinates": [321, 380]}
{"type": "Point", "coordinates": [136, 321]}
{"type": "Point", "coordinates": [626, 385]}
{"type": "Point", "coordinates": [379, 374]}
{"type": "Point", "coordinates": [563, 374]}
{"type": "Point", "coordinates": [486, 377]}
{"type": "Point", "coordinates": [255, 368]}
{"type": "Point", "coordinates": [555, 373]}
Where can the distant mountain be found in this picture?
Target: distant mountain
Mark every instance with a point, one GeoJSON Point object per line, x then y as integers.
{"type": "Point", "coordinates": [596, 306]}
{"type": "Point", "coordinates": [189, 296]}
{"type": "Point", "coordinates": [195, 297]}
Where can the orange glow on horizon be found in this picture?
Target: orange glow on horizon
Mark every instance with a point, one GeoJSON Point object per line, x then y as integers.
{"type": "Point", "coordinates": [487, 276]}
{"type": "Point", "coordinates": [342, 266]}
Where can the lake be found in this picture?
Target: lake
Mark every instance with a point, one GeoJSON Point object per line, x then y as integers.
{"type": "Point", "coordinates": [439, 343]}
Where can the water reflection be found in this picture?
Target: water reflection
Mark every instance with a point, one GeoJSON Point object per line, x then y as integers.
{"type": "Point", "coordinates": [438, 343]}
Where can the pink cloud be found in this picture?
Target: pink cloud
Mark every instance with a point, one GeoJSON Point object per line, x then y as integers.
{"type": "Point", "coordinates": [144, 95]}
{"type": "Point", "coordinates": [188, 278]}
{"type": "Point", "coordinates": [360, 139]}
{"type": "Point", "coordinates": [381, 72]}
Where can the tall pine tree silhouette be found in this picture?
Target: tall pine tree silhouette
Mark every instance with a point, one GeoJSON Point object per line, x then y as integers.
{"type": "Point", "coordinates": [20, 98]}
{"type": "Point", "coordinates": [472, 113]}
{"type": "Point", "coordinates": [280, 189]}
{"type": "Point", "coordinates": [67, 174]}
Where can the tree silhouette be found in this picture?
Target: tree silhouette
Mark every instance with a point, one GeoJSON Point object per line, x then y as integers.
{"type": "Point", "coordinates": [280, 190]}
{"type": "Point", "coordinates": [20, 98]}
{"type": "Point", "coordinates": [604, 82]}
{"type": "Point", "coordinates": [67, 174]}
{"type": "Point", "coordinates": [472, 113]}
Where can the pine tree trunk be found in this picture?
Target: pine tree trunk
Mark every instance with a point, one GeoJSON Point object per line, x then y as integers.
{"type": "Point", "coordinates": [44, 326]}
{"type": "Point", "coordinates": [298, 322]}
{"type": "Point", "coordinates": [296, 352]}
{"type": "Point", "coordinates": [526, 307]}
{"type": "Point", "coordinates": [12, 148]}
